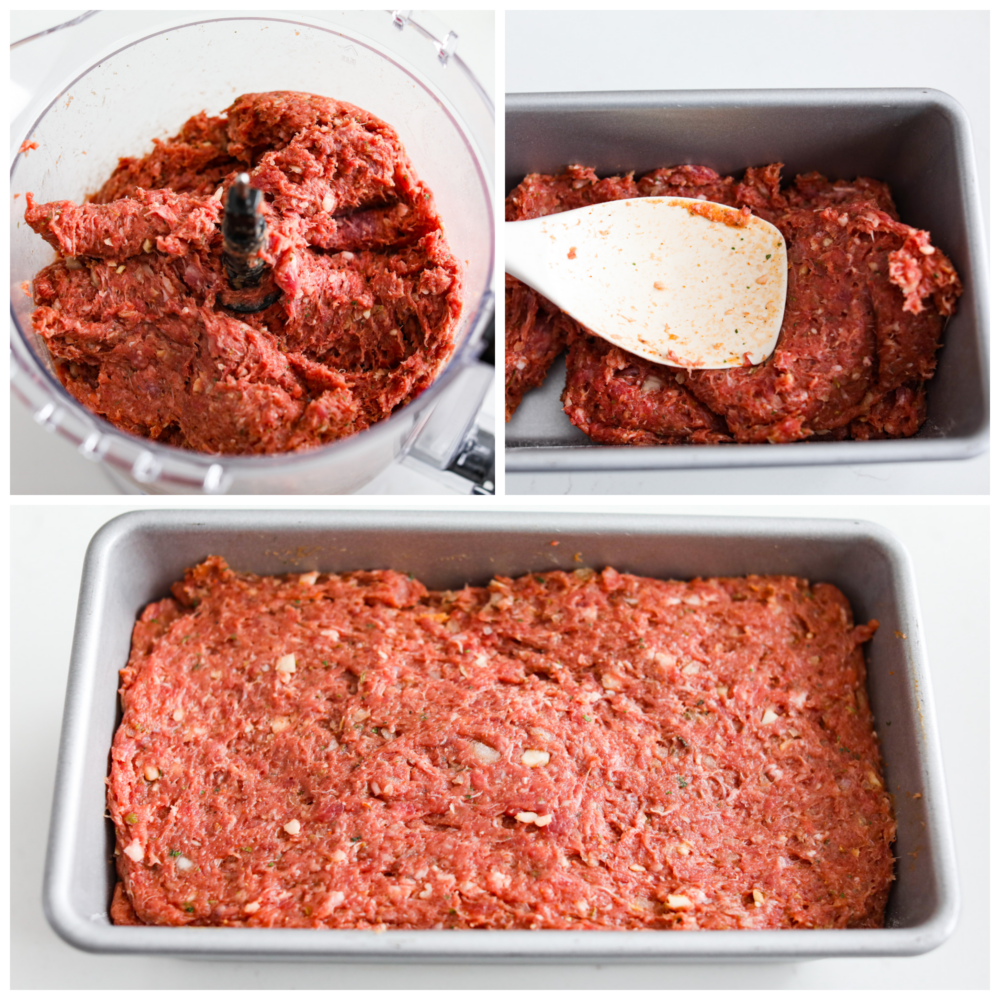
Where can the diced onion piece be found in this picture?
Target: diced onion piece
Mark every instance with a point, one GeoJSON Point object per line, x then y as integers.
{"type": "Point", "coordinates": [535, 758]}
{"type": "Point", "coordinates": [530, 817]}
{"type": "Point", "coordinates": [485, 754]}
{"type": "Point", "coordinates": [679, 903]}
{"type": "Point", "coordinates": [251, 907]}
{"type": "Point", "coordinates": [293, 826]}
{"type": "Point", "coordinates": [183, 863]}
{"type": "Point", "coordinates": [286, 664]}
{"type": "Point", "coordinates": [768, 717]}
{"type": "Point", "coordinates": [135, 851]}
{"type": "Point", "coordinates": [308, 579]}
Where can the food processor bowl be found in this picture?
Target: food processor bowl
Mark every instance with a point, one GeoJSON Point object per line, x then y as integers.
{"type": "Point", "coordinates": [148, 85]}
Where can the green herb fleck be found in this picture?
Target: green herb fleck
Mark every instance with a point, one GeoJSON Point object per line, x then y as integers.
{"type": "Point", "coordinates": [682, 783]}
{"type": "Point", "coordinates": [189, 907]}
{"type": "Point", "coordinates": [423, 717]}
{"type": "Point", "coordinates": [587, 718]}
{"type": "Point", "coordinates": [540, 579]}
{"type": "Point", "coordinates": [249, 850]}
{"type": "Point", "coordinates": [131, 819]}
{"type": "Point", "coordinates": [176, 854]}
{"type": "Point", "coordinates": [326, 663]}
{"type": "Point", "coordinates": [768, 257]}
{"type": "Point", "coordinates": [354, 840]}
{"type": "Point", "coordinates": [452, 911]}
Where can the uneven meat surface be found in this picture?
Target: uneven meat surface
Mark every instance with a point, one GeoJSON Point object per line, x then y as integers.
{"type": "Point", "coordinates": [563, 750]}
{"type": "Point", "coordinates": [867, 298]}
{"type": "Point", "coordinates": [132, 310]}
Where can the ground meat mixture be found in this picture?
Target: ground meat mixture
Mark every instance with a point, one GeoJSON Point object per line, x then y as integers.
{"type": "Point", "coordinates": [867, 298]}
{"type": "Point", "coordinates": [564, 750]}
{"type": "Point", "coordinates": [370, 293]}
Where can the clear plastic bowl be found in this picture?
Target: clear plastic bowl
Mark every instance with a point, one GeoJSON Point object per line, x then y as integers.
{"type": "Point", "coordinates": [148, 86]}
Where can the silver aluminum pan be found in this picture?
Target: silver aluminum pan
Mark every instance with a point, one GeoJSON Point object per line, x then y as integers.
{"type": "Point", "coordinates": [134, 559]}
{"type": "Point", "coordinates": [919, 141]}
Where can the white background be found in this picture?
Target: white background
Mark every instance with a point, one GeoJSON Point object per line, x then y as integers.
{"type": "Point", "coordinates": [713, 50]}
{"type": "Point", "coordinates": [949, 548]}
{"type": "Point", "coordinates": [42, 463]}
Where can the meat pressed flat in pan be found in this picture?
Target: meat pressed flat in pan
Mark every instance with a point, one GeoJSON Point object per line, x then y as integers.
{"type": "Point", "coordinates": [562, 750]}
{"type": "Point", "coordinates": [867, 298]}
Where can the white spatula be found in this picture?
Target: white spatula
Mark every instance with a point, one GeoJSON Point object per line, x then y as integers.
{"type": "Point", "coordinates": [683, 282]}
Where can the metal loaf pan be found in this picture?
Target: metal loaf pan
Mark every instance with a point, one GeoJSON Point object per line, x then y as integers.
{"type": "Point", "coordinates": [919, 141]}
{"type": "Point", "coordinates": [135, 558]}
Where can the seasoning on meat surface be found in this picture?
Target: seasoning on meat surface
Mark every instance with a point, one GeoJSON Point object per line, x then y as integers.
{"type": "Point", "coordinates": [564, 750]}
{"type": "Point", "coordinates": [867, 298]}
{"type": "Point", "coordinates": [370, 292]}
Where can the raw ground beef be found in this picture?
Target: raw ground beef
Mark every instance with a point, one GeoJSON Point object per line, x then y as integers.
{"type": "Point", "coordinates": [867, 297]}
{"type": "Point", "coordinates": [131, 310]}
{"type": "Point", "coordinates": [563, 750]}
